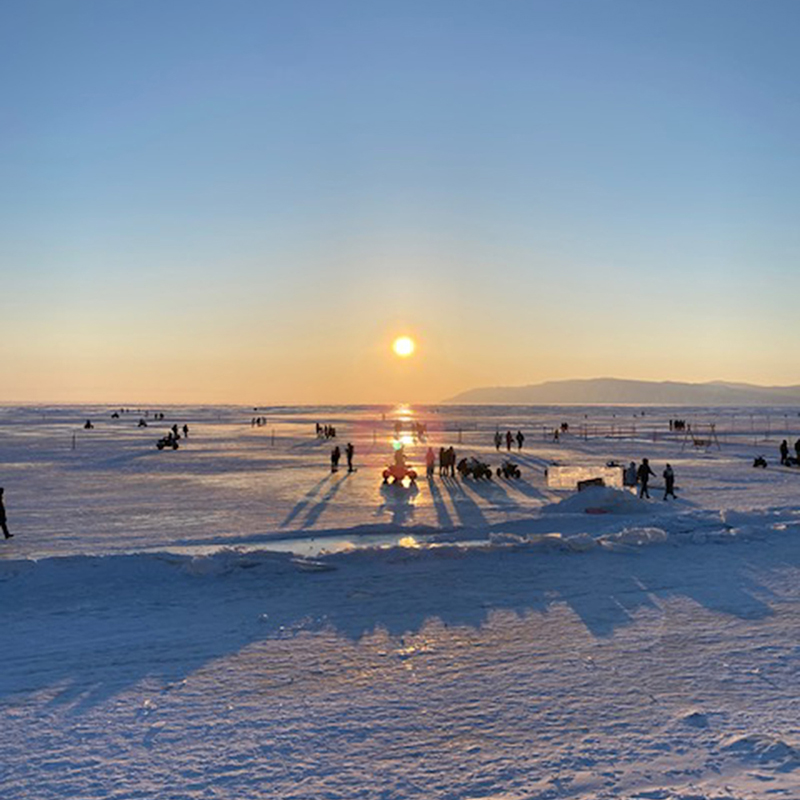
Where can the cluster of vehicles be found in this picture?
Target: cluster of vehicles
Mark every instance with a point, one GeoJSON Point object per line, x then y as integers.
{"type": "Point", "coordinates": [471, 467]}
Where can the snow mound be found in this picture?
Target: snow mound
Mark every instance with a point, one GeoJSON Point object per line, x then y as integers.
{"type": "Point", "coordinates": [765, 749]}
{"type": "Point", "coordinates": [630, 538]}
{"type": "Point", "coordinates": [599, 500]}
{"type": "Point", "coordinates": [695, 719]}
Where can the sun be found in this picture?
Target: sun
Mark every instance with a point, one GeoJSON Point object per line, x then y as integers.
{"type": "Point", "coordinates": [403, 346]}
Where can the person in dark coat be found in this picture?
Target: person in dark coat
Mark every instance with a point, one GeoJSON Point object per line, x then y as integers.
{"type": "Point", "coordinates": [498, 440]}
{"type": "Point", "coordinates": [336, 454]}
{"type": "Point", "coordinates": [669, 482]}
{"type": "Point", "coordinates": [509, 440]}
{"type": "Point", "coordinates": [643, 475]}
{"type": "Point", "coordinates": [3, 525]}
{"type": "Point", "coordinates": [451, 461]}
{"type": "Point", "coordinates": [520, 439]}
{"type": "Point", "coordinates": [797, 450]}
{"type": "Point", "coordinates": [784, 448]}
{"type": "Point", "coordinates": [348, 451]}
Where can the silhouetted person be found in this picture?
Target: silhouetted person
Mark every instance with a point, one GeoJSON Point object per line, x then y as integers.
{"type": "Point", "coordinates": [520, 439]}
{"type": "Point", "coordinates": [185, 431]}
{"type": "Point", "coordinates": [88, 426]}
{"type": "Point", "coordinates": [348, 451]}
{"type": "Point", "coordinates": [442, 461]}
{"type": "Point", "coordinates": [669, 482]}
{"type": "Point", "coordinates": [430, 463]}
{"type": "Point", "coordinates": [629, 476]}
{"type": "Point", "coordinates": [3, 525]}
{"type": "Point", "coordinates": [498, 440]}
{"type": "Point", "coordinates": [336, 454]}
{"type": "Point", "coordinates": [174, 430]}
{"type": "Point", "coordinates": [797, 450]}
{"type": "Point", "coordinates": [509, 440]}
{"type": "Point", "coordinates": [784, 448]}
{"type": "Point", "coordinates": [451, 461]}
{"type": "Point", "coordinates": [643, 474]}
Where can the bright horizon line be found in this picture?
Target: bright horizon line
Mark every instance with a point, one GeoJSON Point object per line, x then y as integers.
{"type": "Point", "coordinates": [309, 404]}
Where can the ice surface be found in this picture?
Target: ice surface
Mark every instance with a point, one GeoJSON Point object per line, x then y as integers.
{"type": "Point", "coordinates": [232, 620]}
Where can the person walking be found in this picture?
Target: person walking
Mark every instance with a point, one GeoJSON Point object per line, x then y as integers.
{"type": "Point", "coordinates": [520, 439]}
{"type": "Point", "coordinates": [643, 474]}
{"type": "Point", "coordinates": [669, 483]}
{"type": "Point", "coordinates": [348, 451]}
{"type": "Point", "coordinates": [509, 440]}
{"type": "Point", "coordinates": [3, 525]}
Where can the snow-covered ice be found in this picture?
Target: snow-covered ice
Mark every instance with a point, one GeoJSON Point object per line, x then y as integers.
{"type": "Point", "coordinates": [232, 620]}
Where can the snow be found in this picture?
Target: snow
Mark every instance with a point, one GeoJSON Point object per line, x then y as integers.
{"type": "Point", "coordinates": [230, 620]}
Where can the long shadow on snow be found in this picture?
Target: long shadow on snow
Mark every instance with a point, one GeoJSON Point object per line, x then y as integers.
{"type": "Point", "coordinates": [303, 504]}
{"type": "Point", "coordinates": [468, 511]}
{"type": "Point", "coordinates": [161, 618]}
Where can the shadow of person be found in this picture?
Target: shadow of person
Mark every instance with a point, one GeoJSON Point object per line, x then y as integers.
{"type": "Point", "coordinates": [443, 517]}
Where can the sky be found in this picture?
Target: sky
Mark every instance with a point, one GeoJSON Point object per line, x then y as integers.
{"type": "Point", "coordinates": [246, 202]}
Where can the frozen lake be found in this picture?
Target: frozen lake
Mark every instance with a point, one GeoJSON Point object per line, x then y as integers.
{"type": "Point", "coordinates": [231, 483]}
{"type": "Point", "coordinates": [466, 640]}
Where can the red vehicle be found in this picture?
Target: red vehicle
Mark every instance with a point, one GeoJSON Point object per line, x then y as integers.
{"type": "Point", "coordinates": [399, 470]}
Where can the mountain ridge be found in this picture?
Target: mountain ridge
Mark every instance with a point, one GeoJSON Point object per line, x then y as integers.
{"type": "Point", "coordinates": [623, 391]}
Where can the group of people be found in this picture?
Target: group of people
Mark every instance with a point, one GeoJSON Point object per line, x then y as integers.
{"type": "Point", "coordinates": [786, 460]}
{"type": "Point", "coordinates": [326, 431]}
{"type": "Point", "coordinates": [509, 439]}
{"type": "Point", "coordinates": [641, 476]}
{"type": "Point", "coordinates": [336, 455]}
{"type": "Point", "coordinates": [258, 422]}
{"type": "Point", "coordinates": [677, 424]}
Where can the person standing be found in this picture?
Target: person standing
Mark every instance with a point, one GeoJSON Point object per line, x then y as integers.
{"type": "Point", "coordinates": [669, 483]}
{"type": "Point", "coordinates": [336, 454]}
{"type": "Point", "coordinates": [643, 474]}
{"type": "Point", "coordinates": [348, 451]}
{"type": "Point", "coordinates": [520, 439]}
{"type": "Point", "coordinates": [498, 440]}
{"type": "Point", "coordinates": [784, 448]}
{"type": "Point", "coordinates": [3, 525]}
{"type": "Point", "coordinates": [509, 440]}
{"type": "Point", "coordinates": [430, 463]}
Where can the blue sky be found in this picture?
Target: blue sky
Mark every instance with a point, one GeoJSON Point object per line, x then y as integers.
{"type": "Point", "coordinates": [249, 200]}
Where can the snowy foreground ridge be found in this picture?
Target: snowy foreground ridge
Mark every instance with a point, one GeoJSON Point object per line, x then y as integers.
{"type": "Point", "coordinates": [231, 620]}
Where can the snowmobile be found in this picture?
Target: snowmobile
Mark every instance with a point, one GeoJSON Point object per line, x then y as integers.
{"type": "Point", "coordinates": [167, 441]}
{"type": "Point", "coordinates": [473, 468]}
{"type": "Point", "coordinates": [397, 473]}
{"type": "Point", "coordinates": [399, 470]}
{"type": "Point", "coordinates": [508, 469]}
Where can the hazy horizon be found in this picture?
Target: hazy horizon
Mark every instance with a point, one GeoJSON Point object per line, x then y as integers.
{"type": "Point", "coordinates": [208, 202]}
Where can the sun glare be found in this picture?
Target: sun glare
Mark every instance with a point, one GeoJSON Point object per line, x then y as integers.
{"type": "Point", "coordinates": [403, 346]}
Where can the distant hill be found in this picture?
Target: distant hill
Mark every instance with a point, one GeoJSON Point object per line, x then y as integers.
{"type": "Point", "coordinates": [613, 391]}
